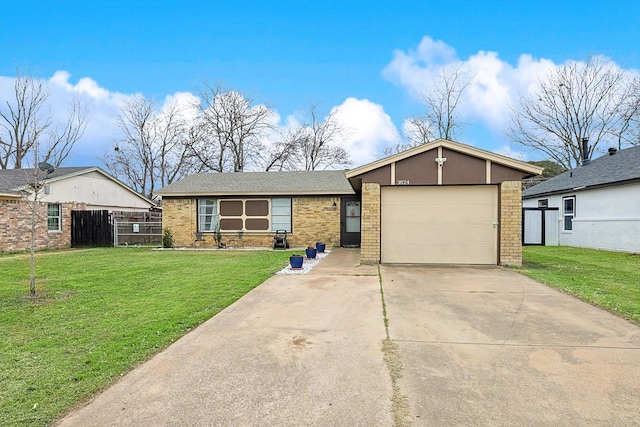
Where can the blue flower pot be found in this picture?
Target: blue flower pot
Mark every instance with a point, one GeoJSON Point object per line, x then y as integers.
{"type": "Point", "coordinates": [311, 252]}
{"type": "Point", "coordinates": [296, 261]}
{"type": "Point", "coordinates": [320, 247]}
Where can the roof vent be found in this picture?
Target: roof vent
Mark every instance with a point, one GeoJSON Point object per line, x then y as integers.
{"type": "Point", "coordinates": [612, 151]}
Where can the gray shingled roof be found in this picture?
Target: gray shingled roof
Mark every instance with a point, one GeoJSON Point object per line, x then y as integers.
{"type": "Point", "coordinates": [620, 168]}
{"type": "Point", "coordinates": [12, 180]}
{"type": "Point", "coordinates": [260, 183]}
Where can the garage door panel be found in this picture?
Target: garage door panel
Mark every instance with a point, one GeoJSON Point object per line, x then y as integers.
{"type": "Point", "coordinates": [448, 225]}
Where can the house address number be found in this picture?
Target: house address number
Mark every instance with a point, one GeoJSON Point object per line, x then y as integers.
{"type": "Point", "coordinates": [402, 182]}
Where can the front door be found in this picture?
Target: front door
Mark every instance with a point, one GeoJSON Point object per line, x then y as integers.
{"type": "Point", "coordinates": [350, 222]}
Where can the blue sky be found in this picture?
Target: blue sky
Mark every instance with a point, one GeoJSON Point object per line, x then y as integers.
{"type": "Point", "coordinates": [368, 57]}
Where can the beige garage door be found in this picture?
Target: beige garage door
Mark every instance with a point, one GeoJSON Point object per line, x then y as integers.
{"type": "Point", "coordinates": [440, 225]}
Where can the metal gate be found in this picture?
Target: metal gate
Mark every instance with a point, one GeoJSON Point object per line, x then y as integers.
{"type": "Point", "coordinates": [540, 226]}
{"type": "Point", "coordinates": [91, 228]}
{"type": "Point", "coordinates": [137, 228]}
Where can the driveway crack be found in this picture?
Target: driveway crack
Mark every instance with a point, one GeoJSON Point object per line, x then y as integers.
{"type": "Point", "coordinates": [390, 350]}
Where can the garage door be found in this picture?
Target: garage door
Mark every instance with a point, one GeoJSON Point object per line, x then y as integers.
{"type": "Point", "coordinates": [440, 225]}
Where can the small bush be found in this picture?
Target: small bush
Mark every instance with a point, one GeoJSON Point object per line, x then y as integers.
{"type": "Point", "coordinates": [167, 238]}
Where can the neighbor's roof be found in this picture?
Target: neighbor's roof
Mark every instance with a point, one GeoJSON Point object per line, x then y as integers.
{"type": "Point", "coordinates": [12, 181]}
{"type": "Point", "coordinates": [608, 170]}
{"type": "Point", "coordinates": [260, 183]}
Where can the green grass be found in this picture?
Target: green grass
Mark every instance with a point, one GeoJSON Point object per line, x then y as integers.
{"type": "Point", "coordinates": [100, 312]}
{"type": "Point", "coordinates": [610, 280]}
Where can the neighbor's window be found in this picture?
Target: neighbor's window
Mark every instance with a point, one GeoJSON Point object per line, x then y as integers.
{"type": "Point", "coordinates": [281, 214]}
{"type": "Point", "coordinates": [569, 212]}
{"type": "Point", "coordinates": [53, 217]}
{"type": "Point", "coordinates": [207, 214]}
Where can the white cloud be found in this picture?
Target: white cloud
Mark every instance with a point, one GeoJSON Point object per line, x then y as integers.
{"type": "Point", "coordinates": [509, 151]}
{"type": "Point", "coordinates": [368, 129]}
{"type": "Point", "coordinates": [495, 84]}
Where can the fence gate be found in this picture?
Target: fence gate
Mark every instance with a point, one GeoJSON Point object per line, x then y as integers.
{"type": "Point", "coordinates": [91, 228]}
{"type": "Point", "coordinates": [137, 228]}
{"type": "Point", "coordinates": [540, 226]}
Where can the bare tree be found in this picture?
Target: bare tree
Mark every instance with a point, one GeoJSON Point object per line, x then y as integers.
{"type": "Point", "coordinates": [311, 145]}
{"type": "Point", "coordinates": [283, 154]}
{"type": "Point", "coordinates": [154, 149]}
{"type": "Point", "coordinates": [26, 121]}
{"type": "Point", "coordinates": [233, 128]}
{"type": "Point", "coordinates": [318, 141]}
{"type": "Point", "coordinates": [580, 100]}
{"type": "Point", "coordinates": [442, 101]}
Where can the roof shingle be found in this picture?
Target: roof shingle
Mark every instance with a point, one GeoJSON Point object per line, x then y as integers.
{"type": "Point", "coordinates": [260, 183]}
{"type": "Point", "coordinates": [620, 168]}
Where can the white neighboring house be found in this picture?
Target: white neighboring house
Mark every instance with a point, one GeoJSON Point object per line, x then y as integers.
{"type": "Point", "coordinates": [64, 190]}
{"type": "Point", "coordinates": [596, 205]}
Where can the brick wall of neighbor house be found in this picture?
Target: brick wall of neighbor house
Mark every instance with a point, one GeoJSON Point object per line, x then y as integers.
{"type": "Point", "coordinates": [370, 237]}
{"type": "Point", "coordinates": [511, 223]}
{"type": "Point", "coordinates": [15, 226]}
{"type": "Point", "coordinates": [314, 219]}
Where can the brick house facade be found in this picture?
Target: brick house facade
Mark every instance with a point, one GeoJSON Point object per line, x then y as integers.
{"type": "Point", "coordinates": [436, 184]}
{"type": "Point", "coordinates": [15, 225]}
{"type": "Point", "coordinates": [315, 218]}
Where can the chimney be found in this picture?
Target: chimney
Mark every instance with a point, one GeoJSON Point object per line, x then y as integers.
{"type": "Point", "coordinates": [585, 151]}
{"type": "Point", "coordinates": [612, 151]}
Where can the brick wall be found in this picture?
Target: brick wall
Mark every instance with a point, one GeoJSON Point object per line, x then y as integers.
{"type": "Point", "coordinates": [370, 224]}
{"type": "Point", "coordinates": [511, 223]}
{"type": "Point", "coordinates": [15, 226]}
{"type": "Point", "coordinates": [314, 219]}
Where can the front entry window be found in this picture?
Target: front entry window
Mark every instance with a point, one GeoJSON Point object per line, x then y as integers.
{"type": "Point", "coordinates": [352, 217]}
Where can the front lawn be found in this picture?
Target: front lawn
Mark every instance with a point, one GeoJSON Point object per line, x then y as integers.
{"type": "Point", "coordinates": [101, 312]}
{"type": "Point", "coordinates": [610, 280]}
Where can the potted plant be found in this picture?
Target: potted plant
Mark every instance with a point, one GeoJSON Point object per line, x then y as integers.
{"type": "Point", "coordinates": [311, 252]}
{"type": "Point", "coordinates": [320, 247]}
{"type": "Point", "coordinates": [296, 261]}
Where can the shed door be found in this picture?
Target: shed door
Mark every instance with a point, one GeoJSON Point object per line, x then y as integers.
{"type": "Point", "coordinates": [440, 225]}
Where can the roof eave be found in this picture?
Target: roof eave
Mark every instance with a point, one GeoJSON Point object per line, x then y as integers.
{"type": "Point", "coordinates": [582, 188]}
{"type": "Point", "coordinates": [253, 193]}
{"type": "Point", "coordinates": [9, 195]}
{"type": "Point", "coordinates": [457, 146]}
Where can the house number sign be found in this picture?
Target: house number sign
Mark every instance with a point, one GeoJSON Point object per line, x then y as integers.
{"type": "Point", "coordinates": [402, 182]}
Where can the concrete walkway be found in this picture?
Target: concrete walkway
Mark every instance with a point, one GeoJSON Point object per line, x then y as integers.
{"type": "Point", "coordinates": [469, 346]}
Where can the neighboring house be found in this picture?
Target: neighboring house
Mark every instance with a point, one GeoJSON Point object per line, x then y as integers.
{"type": "Point", "coordinates": [441, 202]}
{"type": "Point", "coordinates": [593, 206]}
{"type": "Point", "coordinates": [64, 190]}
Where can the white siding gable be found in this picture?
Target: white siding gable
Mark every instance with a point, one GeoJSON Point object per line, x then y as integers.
{"type": "Point", "coordinates": [97, 191]}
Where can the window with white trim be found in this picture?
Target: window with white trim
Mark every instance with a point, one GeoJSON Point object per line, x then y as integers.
{"type": "Point", "coordinates": [568, 212]}
{"type": "Point", "coordinates": [53, 217]}
{"type": "Point", "coordinates": [281, 214]}
{"type": "Point", "coordinates": [207, 214]}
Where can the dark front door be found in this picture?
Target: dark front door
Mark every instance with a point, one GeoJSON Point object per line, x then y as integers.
{"type": "Point", "coordinates": [350, 221]}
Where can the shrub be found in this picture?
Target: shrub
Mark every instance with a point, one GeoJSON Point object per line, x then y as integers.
{"type": "Point", "coordinates": [167, 238]}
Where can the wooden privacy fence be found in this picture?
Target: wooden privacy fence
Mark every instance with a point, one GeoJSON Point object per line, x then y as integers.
{"type": "Point", "coordinates": [101, 228]}
{"type": "Point", "coordinates": [91, 228]}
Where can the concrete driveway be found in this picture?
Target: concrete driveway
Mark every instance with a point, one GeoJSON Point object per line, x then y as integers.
{"type": "Point", "coordinates": [488, 347]}
{"type": "Point", "coordinates": [464, 346]}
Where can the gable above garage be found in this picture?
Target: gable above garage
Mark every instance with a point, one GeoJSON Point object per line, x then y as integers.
{"type": "Point", "coordinates": [442, 162]}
